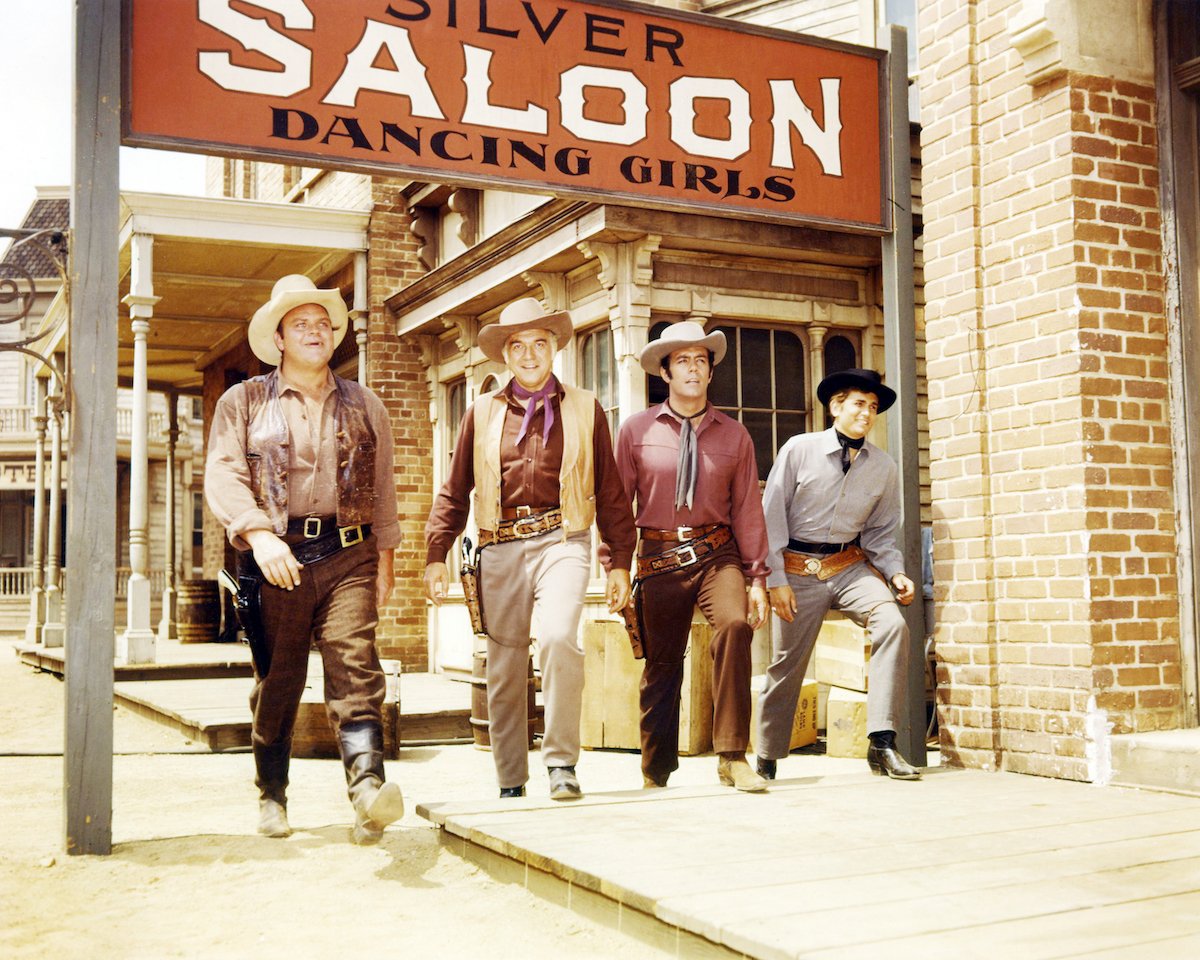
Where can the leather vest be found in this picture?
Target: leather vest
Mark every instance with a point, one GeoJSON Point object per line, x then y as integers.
{"type": "Point", "coordinates": [577, 474]}
{"type": "Point", "coordinates": [268, 445]}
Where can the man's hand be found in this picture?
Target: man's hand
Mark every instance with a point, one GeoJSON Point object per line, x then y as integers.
{"type": "Point", "coordinates": [618, 590]}
{"type": "Point", "coordinates": [274, 558]}
{"type": "Point", "coordinates": [783, 602]}
{"type": "Point", "coordinates": [386, 578]}
{"type": "Point", "coordinates": [758, 606]}
{"type": "Point", "coordinates": [905, 589]}
{"type": "Point", "coordinates": [437, 582]}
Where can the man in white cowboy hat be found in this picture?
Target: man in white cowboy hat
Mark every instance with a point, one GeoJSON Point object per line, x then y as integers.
{"type": "Point", "coordinates": [299, 472]}
{"type": "Point", "coordinates": [833, 502]}
{"type": "Point", "coordinates": [691, 471]}
{"type": "Point", "coordinates": [539, 456]}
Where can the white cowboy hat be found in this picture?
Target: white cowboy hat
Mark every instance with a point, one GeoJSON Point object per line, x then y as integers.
{"type": "Point", "coordinates": [685, 333]}
{"type": "Point", "coordinates": [524, 314]}
{"type": "Point", "coordinates": [288, 293]}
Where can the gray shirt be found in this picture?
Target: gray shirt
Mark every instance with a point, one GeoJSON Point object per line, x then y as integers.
{"type": "Point", "coordinates": [807, 497]}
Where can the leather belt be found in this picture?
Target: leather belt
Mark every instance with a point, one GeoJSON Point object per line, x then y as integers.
{"type": "Point", "coordinates": [327, 544]}
{"type": "Point", "coordinates": [679, 534]}
{"type": "Point", "coordinates": [522, 528]}
{"type": "Point", "coordinates": [801, 566]}
{"type": "Point", "coordinates": [685, 554]}
{"type": "Point", "coordinates": [803, 546]}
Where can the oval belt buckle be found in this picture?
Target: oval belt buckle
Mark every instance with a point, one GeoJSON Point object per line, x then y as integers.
{"type": "Point", "coordinates": [812, 566]}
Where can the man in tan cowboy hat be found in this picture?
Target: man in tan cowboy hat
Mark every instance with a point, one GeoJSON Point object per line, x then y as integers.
{"type": "Point", "coordinates": [690, 470]}
{"type": "Point", "coordinates": [299, 472]}
{"type": "Point", "coordinates": [539, 457]}
{"type": "Point", "coordinates": [833, 502]}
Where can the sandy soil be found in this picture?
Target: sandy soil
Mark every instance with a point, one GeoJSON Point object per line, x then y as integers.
{"type": "Point", "coordinates": [189, 878]}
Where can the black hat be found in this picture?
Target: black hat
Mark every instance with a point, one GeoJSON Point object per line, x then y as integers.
{"type": "Point", "coordinates": [868, 381]}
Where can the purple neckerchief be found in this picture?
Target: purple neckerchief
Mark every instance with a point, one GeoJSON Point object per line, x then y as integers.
{"type": "Point", "coordinates": [544, 395]}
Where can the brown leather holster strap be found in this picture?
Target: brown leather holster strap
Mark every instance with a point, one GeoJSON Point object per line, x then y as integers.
{"type": "Point", "coordinates": [684, 555]}
{"type": "Point", "coordinates": [822, 568]}
{"type": "Point", "coordinates": [522, 528]}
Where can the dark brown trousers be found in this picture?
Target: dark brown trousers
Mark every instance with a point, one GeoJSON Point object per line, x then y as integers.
{"type": "Point", "coordinates": [717, 586]}
{"type": "Point", "coordinates": [334, 606]}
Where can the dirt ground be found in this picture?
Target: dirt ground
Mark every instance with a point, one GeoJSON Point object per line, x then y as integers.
{"type": "Point", "coordinates": [189, 878]}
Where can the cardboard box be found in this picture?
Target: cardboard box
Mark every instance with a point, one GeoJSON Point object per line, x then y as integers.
{"type": "Point", "coordinates": [846, 733]}
{"type": "Point", "coordinates": [843, 655]}
{"type": "Point", "coordinates": [611, 677]}
{"type": "Point", "coordinates": [804, 723]}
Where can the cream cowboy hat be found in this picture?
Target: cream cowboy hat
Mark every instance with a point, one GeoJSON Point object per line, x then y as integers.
{"type": "Point", "coordinates": [685, 333]}
{"type": "Point", "coordinates": [524, 314]}
{"type": "Point", "coordinates": [288, 293]}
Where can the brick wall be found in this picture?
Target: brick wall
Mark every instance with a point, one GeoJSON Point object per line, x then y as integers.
{"type": "Point", "coordinates": [397, 374]}
{"type": "Point", "coordinates": [1048, 414]}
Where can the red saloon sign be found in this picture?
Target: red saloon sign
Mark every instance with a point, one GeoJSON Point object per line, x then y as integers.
{"type": "Point", "coordinates": [603, 100]}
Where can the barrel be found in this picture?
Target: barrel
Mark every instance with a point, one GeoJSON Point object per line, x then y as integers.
{"type": "Point", "coordinates": [198, 611]}
{"type": "Point", "coordinates": [479, 702]}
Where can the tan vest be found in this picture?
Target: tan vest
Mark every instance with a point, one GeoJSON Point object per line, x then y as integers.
{"type": "Point", "coordinates": [268, 440]}
{"type": "Point", "coordinates": [577, 475]}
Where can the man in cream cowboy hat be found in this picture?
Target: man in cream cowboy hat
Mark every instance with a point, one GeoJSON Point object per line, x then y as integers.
{"type": "Point", "coordinates": [690, 470]}
{"type": "Point", "coordinates": [539, 457]}
{"type": "Point", "coordinates": [299, 472]}
{"type": "Point", "coordinates": [833, 502]}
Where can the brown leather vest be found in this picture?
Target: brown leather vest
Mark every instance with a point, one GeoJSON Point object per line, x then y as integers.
{"type": "Point", "coordinates": [268, 442]}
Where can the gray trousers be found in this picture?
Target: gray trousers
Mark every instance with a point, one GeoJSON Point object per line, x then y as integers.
{"type": "Point", "coordinates": [866, 600]}
{"type": "Point", "coordinates": [534, 588]}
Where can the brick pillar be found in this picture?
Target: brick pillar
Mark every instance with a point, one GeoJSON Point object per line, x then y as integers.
{"type": "Point", "coordinates": [1050, 457]}
{"type": "Point", "coordinates": [396, 373]}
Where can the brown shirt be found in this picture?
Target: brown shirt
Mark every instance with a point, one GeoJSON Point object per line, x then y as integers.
{"type": "Point", "coordinates": [312, 463]}
{"type": "Point", "coordinates": [726, 483]}
{"type": "Point", "coordinates": [529, 477]}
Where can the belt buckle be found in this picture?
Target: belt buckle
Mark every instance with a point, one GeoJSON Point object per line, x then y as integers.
{"type": "Point", "coordinates": [312, 528]}
{"type": "Point", "coordinates": [684, 533]}
{"type": "Point", "coordinates": [350, 535]}
{"type": "Point", "coordinates": [684, 551]}
{"type": "Point", "coordinates": [525, 521]}
{"type": "Point", "coordinates": [812, 566]}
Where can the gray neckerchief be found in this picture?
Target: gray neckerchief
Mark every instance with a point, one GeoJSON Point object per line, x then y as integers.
{"type": "Point", "coordinates": [686, 466]}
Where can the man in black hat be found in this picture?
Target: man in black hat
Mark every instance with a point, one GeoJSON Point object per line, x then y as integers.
{"type": "Point", "coordinates": [832, 503]}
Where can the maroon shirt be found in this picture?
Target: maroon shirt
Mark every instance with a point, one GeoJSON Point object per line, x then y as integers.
{"type": "Point", "coordinates": [726, 482]}
{"type": "Point", "coordinates": [529, 478]}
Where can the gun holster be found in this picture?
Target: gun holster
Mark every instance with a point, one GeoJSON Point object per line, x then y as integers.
{"type": "Point", "coordinates": [247, 596]}
{"type": "Point", "coordinates": [632, 615]}
{"type": "Point", "coordinates": [469, 575]}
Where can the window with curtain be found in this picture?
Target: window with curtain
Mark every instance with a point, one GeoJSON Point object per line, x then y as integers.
{"type": "Point", "coordinates": [598, 371]}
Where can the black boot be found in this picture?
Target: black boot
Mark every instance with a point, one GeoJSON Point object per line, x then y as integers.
{"type": "Point", "coordinates": [376, 803]}
{"type": "Point", "coordinates": [765, 767]}
{"type": "Point", "coordinates": [884, 759]}
{"type": "Point", "coordinates": [271, 765]}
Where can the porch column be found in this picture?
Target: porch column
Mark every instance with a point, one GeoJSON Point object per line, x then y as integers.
{"type": "Point", "coordinates": [360, 313]}
{"type": "Point", "coordinates": [33, 629]}
{"type": "Point", "coordinates": [626, 273]}
{"type": "Point", "coordinates": [166, 623]}
{"type": "Point", "coordinates": [816, 345]}
{"type": "Point", "coordinates": [136, 644]}
{"type": "Point", "coordinates": [53, 629]}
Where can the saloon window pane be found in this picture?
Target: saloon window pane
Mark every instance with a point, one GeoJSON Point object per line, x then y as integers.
{"type": "Point", "coordinates": [755, 363]}
{"type": "Point", "coordinates": [723, 391]}
{"type": "Point", "coordinates": [759, 425]}
{"type": "Point", "coordinates": [789, 372]}
{"type": "Point", "coordinates": [839, 355]}
{"type": "Point", "coordinates": [787, 425]}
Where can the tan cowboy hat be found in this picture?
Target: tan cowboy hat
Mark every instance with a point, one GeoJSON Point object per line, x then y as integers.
{"type": "Point", "coordinates": [290, 292]}
{"type": "Point", "coordinates": [524, 314]}
{"type": "Point", "coordinates": [685, 333]}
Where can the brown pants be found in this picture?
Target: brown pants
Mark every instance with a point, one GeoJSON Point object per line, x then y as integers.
{"type": "Point", "coordinates": [717, 586]}
{"type": "Point", "coordinates": [335, 607]}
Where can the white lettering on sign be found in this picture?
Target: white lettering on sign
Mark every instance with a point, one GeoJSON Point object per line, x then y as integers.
{"type": "Point", "coordinates": [791, 111]}
{"type": "Point", "coordinates": [255, 34]}
{"type": "Point", "coordinates": [572, 97]}
{"type": "Point", "coordinates": [407, 80]}
{"type": "Point", "coordinates": [685, 92]}
{"type": "Point", "coordinates": [479, 108]}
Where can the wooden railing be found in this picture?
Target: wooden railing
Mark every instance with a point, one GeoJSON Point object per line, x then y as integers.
{"type": "Point", "coordinates": [18, 581]}
{"type": "Point", "coordinates": [16, 419]}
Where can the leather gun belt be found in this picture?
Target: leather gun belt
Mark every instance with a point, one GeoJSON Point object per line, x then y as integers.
{"type": "Point", "coordinates": [522, 527]}
{"type": "Point", "coordinates": [684, 554]}
{"type": "Point", "coordinates": [822, 568]}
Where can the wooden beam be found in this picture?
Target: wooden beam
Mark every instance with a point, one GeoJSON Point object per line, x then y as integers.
{"type": "Point", "coordinates": [900, 359]}
{"type": "Point", "coordinates": [91, 498]}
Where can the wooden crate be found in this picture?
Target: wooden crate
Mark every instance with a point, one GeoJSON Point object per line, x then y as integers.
{"type": "Point", "coordinates": [843, 655]}
{"type": "Point", "coordinates": [846, 733]}
{"type": "Point", "coordinates": [611, 715]}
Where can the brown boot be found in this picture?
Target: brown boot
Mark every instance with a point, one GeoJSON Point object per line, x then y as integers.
{"type": "Point", "coordinates": [734, 771]}
{"type": "Point", "coordinates": [376, 802]}
{"type": "Point", "coordinates": [271, 764]}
